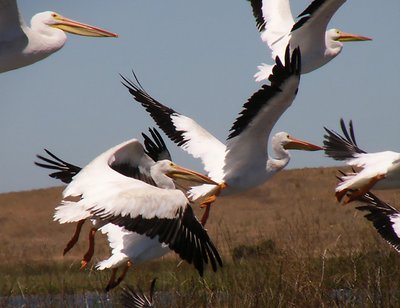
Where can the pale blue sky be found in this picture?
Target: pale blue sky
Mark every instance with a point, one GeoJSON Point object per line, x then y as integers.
{"type": "Point", "coordinates": [199, 58]}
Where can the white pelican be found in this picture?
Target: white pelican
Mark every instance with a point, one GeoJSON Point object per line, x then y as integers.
{"type": "Point", "coordinates": [131, 298]}
{"type": "Point", "coordinates": [385, 218]}
{"type": "Point", "coordinates": [126, 247]}
{"type": "Point", "coordinates": [380, 170]}
{"type": "Point", "coordinates": [21, 46]}
{"type": "Point", "coordinates": [130, 247]}
{"type": "Point", "coordinates": [278, 29]}
{"type": "Point", "coordinates": [126, 187]}
{"type": "Point", "coordinates": [242, 163]}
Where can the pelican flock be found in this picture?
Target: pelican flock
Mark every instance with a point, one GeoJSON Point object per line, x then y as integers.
{"type": "Point", "coordinates": [133, 193]}
{"type": "Point", "coordinates": [318, 45]}
{"type": "Point", "coordinates": [21, 45]}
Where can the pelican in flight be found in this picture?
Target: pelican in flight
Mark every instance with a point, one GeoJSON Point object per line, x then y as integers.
{"type": "Point", "coordinates": [124, 186]}
{"type": "Point", "coordinates": [243, 162]}
{"type": "Point", "coordinates": [21, 45]}
{"type": "Point", "coordinates": [384, 217]}
{"type": "Point", "coordinates": [275, 21]}
{"type": "Point", "coordinates": [127, 247]}
{"type": "Point", "coordinates": [380, 170]}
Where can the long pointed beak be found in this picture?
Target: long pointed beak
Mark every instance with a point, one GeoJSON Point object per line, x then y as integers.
{"type": "Point", "coordinates": [190, 175]}
{"type": "Point", "coordinates": [297, 144]}
{"type": "Point", "coordinates": [76, 27]}
{"type": "Point", "coordinates": [348, 37]}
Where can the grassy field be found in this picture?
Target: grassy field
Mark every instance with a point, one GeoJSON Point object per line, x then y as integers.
{"type": "Point", "coordinates": [285, 244]}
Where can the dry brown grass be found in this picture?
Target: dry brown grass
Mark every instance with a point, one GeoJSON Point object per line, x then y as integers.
{"type": "Point", "coordinates": [319, 245]}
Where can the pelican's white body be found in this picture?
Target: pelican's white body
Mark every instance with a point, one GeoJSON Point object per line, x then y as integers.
{"type": "Point", "coordinates": [317, 45]}
{"type": "Point", "coordinates": [385, 164]}
{"type": "Point", "coordinates": [129, 246]}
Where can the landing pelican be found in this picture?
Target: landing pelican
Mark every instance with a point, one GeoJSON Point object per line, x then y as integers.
{"type": "Point", "coordinates": [242, 163]}
{"type": "Point", "coordinates": [127, 247]}
{"type": "Point", "coordinates": [21, 45]}
{"type": "Point", "coordinates": [126, 187]}
{"type": "Point", "coordinates": [379, 170]}
{"type": "Point", "coordinates": [278, 29]}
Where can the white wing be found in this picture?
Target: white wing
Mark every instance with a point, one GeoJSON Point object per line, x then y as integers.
{"type": "Point", "coordinates": [309, 31]}
{"type": "Point", "coordinates": [247, 143]}
{"type": "Point", "coordinates": [184, 131]}
{"type": "Point", "coordinates": [274, 21]}
{"type": "Point", "coordinates": [127, 158]}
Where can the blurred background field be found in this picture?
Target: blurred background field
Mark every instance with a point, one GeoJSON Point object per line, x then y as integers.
{"type": "Point", "coordinates": [287, 243]}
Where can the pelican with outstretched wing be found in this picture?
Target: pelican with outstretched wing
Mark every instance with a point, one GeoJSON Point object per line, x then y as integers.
{"type": "Point", "coordinates": [132, 243]}
{"type": "Point", "coordinates": [278, 29]}
{"type": "Point", "coordinates": [243, 162]}
{"type": "Point", "coordinates": [379, 170]}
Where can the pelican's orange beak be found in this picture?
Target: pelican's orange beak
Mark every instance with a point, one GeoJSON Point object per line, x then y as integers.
{"type": "Point", "coordinates": [348, 37]}
{"type": "Point", "coordinates": [297, 144]}
{"type": "Point", "coordinates": [189, 175]}
{"type": "Point", "coordinates": [76, 27]}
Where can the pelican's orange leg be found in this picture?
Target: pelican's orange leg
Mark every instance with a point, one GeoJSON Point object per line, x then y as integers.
{"type": "Point", "coordinates": [115, 282]}
{"type": "Point", "coordinates": [89, 254]}
{"type": "Point", "coordinates": [340, 194]}
{"type": "Point", "coordinates": [122, 277]}
{"type": "Point", "coordinates": [206, 213]}
{"type": "Point", "coordinates": [111, 282]}
{"type": "Point", "coordinates": [75, 237]}
{"type": "Point", "coordinates": [208, 201]}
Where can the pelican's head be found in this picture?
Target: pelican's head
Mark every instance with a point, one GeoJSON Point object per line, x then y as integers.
{"type": "Point", "coordinates": [340, 36]}
{"type": "Point", "coordinates": [288, 142]}
{"type": "Point", "coordinates": [175, 172]}
{"type": "Point", "coordinates": [55, 20]}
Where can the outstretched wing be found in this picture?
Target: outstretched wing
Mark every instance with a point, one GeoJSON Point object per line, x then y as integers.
{"type": "Point", "coordinates": [177, 227]}
{"type": "Point", "coordinates": [341, 147]}
{"type": "Point", "coordinates": [182, 130]}
{"type": "Point", "coordinates": [385, 218]}
{"type": "Point", "coordinates": [248, 139]}
{"type": "Point", "coordinates": [64, 171]}
{"type": "Point", "coordinates": [274, 20]}
{"type": "Point", "coordinates": [310, 28]}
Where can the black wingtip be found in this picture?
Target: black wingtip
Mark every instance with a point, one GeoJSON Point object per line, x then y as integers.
{"type": "Point", "coordinates": [341, 147]}
{"type": "Point", "coordinates": [64, 170]}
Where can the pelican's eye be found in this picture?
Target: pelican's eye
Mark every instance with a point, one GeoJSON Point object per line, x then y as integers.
{"type": "Point", "coordinates": [54, 15]}
{"type": "Point", "coordinates": [171, 164]}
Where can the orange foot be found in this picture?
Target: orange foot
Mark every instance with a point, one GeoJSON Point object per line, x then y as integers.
{"type": "Point", "coordinates": [351, 195]}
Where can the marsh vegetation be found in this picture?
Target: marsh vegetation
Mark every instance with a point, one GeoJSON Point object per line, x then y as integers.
{"type": "Point", "coordinates": [285, 244]}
